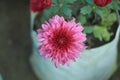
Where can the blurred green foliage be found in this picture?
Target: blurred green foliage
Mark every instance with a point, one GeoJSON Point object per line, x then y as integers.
{"type": "Point", "coordinates": [96, 20]}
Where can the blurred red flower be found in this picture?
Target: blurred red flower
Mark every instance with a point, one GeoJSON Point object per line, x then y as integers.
{"type": "Point", "coordinates": [39, 5]}
{"type": "Point", "coordinates": [102, 2]}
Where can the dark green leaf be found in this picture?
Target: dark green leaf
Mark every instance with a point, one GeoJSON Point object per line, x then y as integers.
{"type": "Point", "coordinates": [54, 1]}
{"type": "Point", "coordinates": [98, 10]}
{"type": "Point", "coordinates": [67, 1]}
{"type": "Point", "coordinates": [86, 10]}
{"type": "Point", "coordinates": [88, 29]}
{"type": "Point", "coordinates": [82, 19]}
{"type": "Point", "coordinates": [90, 1]}
{"type": "Point", "coordinates": [67, 11]}
{"type": "Point", "coordinates": [114, 5]}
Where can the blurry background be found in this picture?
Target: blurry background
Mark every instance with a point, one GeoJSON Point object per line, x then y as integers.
{"type": "Point", "coordinates": [15, 42]}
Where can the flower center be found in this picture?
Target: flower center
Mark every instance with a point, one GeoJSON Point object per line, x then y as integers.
{"type": "Point", "coordinates": [61, 41]}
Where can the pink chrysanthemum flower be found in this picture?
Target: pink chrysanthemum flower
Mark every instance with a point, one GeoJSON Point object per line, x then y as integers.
{"type": "Point", "coordinates": [61, 40]}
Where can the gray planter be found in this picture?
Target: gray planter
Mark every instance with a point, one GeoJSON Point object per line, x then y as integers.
{"type": "Point", "coordinates": [94, 64]}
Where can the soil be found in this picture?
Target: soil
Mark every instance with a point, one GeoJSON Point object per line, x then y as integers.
{"type": "Point", "coordinates": [15, 42]}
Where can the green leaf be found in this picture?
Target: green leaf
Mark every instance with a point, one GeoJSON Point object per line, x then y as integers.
{"type": "Point", "coordinates": [101, 33]}
{"type": "Point", "coordinates": [106, 34]}
{"type": "Point", "coordinates": [67, 1]}
{"type": "Point", "coordinates": [88, 29]}
{"type": "Point", "coordinates": [47, 13]}
{"type": "Point", "coordinates": [90, 1]}
{"type": "Point", "coordinates": [86, 10]}
{"type": "Point", "coordinates": [81, 1]}
{"type": "Point", "coordinates": [82, 19]}
{"type": "Point", "coordinates": [104, 11]}
{"type": "Point", "coordinates": [54, 1]}
{"type": "Point", "coordinates": [50, 11]}
{"type": "Point", "coordinates": [98, 10]}
{"type": "Point", "coordinates": [54, 10]}
{"type": "Point", "coordinates": [67, 11]}
{"type": "Point", "coordinates": [114, 5]}
{"type": "Point", "coordinates": [109, 19]}
{"type": "Point", "coordinates": [71, 1]}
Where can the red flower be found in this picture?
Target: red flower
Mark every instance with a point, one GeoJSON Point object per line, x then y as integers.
{"type": "Point", "coordinates": [61, 40]}
{"type": "Point", "coordinates": [39, 5]}
{"type": "Point", "coordinates": [102, 2]}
